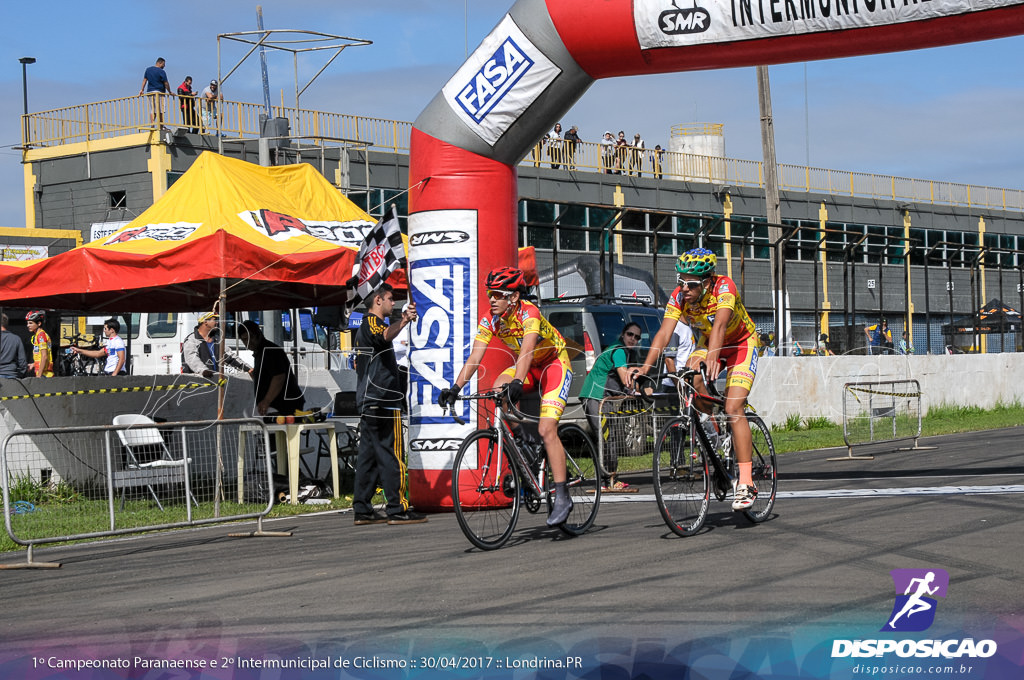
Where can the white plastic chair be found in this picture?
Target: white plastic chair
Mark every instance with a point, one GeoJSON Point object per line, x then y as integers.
{"type": "Point", "coordinates": [164, 470]}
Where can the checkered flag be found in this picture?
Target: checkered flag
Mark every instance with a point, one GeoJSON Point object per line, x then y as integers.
{"type": "Point", "coordinates": [381, 253]}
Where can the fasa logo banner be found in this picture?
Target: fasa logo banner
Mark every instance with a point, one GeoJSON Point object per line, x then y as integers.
{"type": "Point", "coordinates": [499, 81]}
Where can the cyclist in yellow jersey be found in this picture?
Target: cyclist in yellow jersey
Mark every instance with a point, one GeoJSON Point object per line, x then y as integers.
{"type": "Point", "coordinates": [541, 362]}
{"type": "Point", "coordinates": [42, 363]}
{"type": "Point", "coordinates": [711, 304]}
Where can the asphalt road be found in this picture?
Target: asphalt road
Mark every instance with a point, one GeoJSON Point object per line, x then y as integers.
{"type": "Point", "coordinates": [628, 599]}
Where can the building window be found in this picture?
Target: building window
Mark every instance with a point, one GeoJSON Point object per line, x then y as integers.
{"type": "Point", "coordinates": [569, 237]}
{"type": "Point", "coordinates": [540, 213]}
{"type": "Point", "coordinates": [634, 242]}
{"type": "Point", "coordinates": [118, 199]}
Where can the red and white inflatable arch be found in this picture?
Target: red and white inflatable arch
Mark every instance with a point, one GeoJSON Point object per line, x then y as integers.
{"type": "Point", "coordinates": [526, 74]}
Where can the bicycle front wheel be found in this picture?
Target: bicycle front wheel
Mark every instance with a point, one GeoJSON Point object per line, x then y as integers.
{"type": "Point", "coordinates": [486, 492]}
{"type": "Point", "coordinates": [681, 478]}
{"type": "Point", "coordinates": [763, 470]}
{"type": "Point", "coordinates": [583, 479]}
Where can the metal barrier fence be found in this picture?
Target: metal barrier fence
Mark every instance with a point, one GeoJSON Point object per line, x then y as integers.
{"type": "Point", "coordinates": [128, 478]}
{"type": "Point", "coordinates": [880, 411]}
{"type": "Point", "coordinates": [629, 430]}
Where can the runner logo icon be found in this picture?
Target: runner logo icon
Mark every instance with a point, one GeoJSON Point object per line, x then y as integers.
{"type": "Point", "coordinates": [915, 605]}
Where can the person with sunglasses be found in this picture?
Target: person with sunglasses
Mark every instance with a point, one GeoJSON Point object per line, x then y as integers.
{"type": "Point", "coordinates": [728, 340]}
{"type": "Point", "coordinates": [610, 376]}
{"type": "Point", "coordinates": [541, 362]}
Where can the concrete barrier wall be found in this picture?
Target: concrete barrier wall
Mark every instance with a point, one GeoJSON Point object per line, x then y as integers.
{"type": "Point", "coordinates": [812, 386]}
{"type": "Point", "coordinates": [809, 387]}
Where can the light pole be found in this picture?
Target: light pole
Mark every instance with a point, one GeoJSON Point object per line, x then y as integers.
{"type": "Point", "coordinates": [25, 61]}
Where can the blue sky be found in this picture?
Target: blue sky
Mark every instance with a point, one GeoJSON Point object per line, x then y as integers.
{"type": "Point", "coordinates": [952, 113]}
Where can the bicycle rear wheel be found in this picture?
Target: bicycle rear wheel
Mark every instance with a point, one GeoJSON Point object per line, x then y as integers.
{"type": "Point", "coordinates": [583, 479]}
{"type": "Point", "coordinates": [681, 478]}
{"type": "Point", "coordinates": [764, 471]}
{"type": "Point", "coordinates": [486, 492]}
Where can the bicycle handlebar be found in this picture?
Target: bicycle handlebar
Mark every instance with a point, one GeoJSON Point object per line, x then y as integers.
{"type": "Point", "coordinates": [686, 375]}
{"type": "Point", "coordinates": [512, 412]}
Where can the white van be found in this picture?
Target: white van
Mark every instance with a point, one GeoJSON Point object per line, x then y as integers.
{"type": "Point", "coordinates": [156, 338]}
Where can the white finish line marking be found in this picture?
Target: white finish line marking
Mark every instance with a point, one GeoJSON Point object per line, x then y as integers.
{"type": "Point", "coordinates": [854, 493]}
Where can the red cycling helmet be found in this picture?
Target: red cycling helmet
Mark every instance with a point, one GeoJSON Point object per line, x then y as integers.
{"type": "Point", "coordinates": [36, 315]}
{"type": "Point", "coordinates": [508, 279]}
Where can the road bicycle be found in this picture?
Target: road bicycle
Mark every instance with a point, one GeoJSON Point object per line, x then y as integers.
{"type": "Point", "coordinates": [72, 363]}
{"type": "Point", "coordinates": [495, 473]}
{"type": "Point", "coordinates": [693, 459]}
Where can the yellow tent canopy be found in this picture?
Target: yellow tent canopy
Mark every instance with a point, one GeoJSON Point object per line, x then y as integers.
{"type": "Point", "coordinates": [277, 237]}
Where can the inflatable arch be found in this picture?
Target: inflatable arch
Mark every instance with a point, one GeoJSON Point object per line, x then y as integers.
{"type": "Point", "coordinates": [535, 64]}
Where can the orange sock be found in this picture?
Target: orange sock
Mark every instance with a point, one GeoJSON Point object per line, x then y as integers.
{"type": "Point", "coordinates": [745, 473]}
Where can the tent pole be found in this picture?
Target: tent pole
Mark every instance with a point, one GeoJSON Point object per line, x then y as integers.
{"type": "Point", "coordinates": [221, 342]}
{"type": "Point", "coordinates": [221, 389]}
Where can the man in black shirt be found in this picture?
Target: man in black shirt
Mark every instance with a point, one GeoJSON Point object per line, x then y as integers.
{"type": "Point", "coordinates": [380, 399]}
{"type": "Point", "coordinates": [273, 379]}
{"type": "Point", "coordinates": [12, 352]}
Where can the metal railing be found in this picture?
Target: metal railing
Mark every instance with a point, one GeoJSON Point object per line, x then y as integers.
{"type": "Point", "coordinates": [120, 479]}
{"type": "Point", "coordinates": [130, 115]}
{"type": "Point", "coordinates": [629, 427]}
{"type": "Point", "coordinates": [119, 117]}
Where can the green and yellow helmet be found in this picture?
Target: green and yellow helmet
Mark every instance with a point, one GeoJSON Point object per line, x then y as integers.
{"type": "Point", "coordinates": [697, 262]}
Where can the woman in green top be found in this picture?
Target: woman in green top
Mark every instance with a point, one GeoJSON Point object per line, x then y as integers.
{"type": "Point", "coordinates": [610, 376]}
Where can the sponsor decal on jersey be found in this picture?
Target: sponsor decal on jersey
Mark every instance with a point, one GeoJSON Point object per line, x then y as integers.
{"type": "Point", "coordinates": [682, 23]}
{"type": "Point", "coordinates": [500, 80]}
{"type": "Point", "coordinates": [563, 394]}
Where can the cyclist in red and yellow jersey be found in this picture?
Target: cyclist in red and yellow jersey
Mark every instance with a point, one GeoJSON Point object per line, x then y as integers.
{"type": "Point", "coordinates": [711, 304]}
{"type": "Point", "coordinates": [541, 362]}
{"type": "Point", "coordinates": [42, 362]}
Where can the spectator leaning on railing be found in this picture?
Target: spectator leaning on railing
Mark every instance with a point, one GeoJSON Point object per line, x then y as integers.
{"type": "Point", "coordinates": [211, 96]}
{"type": "Point", "coordinates": [607, 153]}
{"type": "Point", "coordinates": [636, 155]}
{"type": "Point", "coordinates": [657, 159]}
{"type": "Point", "coordinates": [572, 139]}
{"type": "Point", "coordinates": [621, 145]}
{"type": "Point", "coordinates": [187, 103]}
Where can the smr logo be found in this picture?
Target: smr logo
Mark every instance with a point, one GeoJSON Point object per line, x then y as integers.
{"type": "Point", "coordinates": [916, 589]}
{"type": "Point", "coordinates": [684, 20]}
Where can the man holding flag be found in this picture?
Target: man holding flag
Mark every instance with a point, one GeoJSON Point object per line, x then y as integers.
{"type": "Point", "coordinates": [380, 395]}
